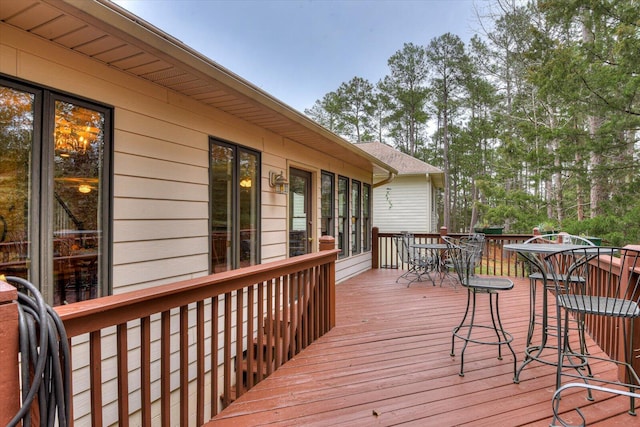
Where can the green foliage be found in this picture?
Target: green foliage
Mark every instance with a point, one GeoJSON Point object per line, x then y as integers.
{"type": "Point", "coordinates": [535, 121]}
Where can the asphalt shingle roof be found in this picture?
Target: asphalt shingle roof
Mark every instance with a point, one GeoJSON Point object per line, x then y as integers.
{"type": "Point", "coordinates": [404, 163]}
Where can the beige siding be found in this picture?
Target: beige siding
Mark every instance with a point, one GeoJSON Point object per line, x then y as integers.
{"type": "Point", "coordinates": [160, 182]}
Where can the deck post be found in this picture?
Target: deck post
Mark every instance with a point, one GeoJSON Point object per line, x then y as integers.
{"type": "Point", "coordinates": [9, 381]}
{"type": "Point", "coordinates": [375, 248]}
{"type": "Point", "coordinates": [443, 232]}
{"type": "Point", "coordinates": [328, 243]}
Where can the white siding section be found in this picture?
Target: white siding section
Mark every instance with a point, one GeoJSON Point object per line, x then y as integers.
{"type": "Point", "coordinates": [404, 205]}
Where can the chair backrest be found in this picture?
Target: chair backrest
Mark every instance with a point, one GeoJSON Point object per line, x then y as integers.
{"type": "Point", "coordinates": [464, 254]}
{"type": "Point", "coordinates": [560, 267]}
{"type": "Point", "coordinates": [560, 238]}
{"type": "Point", "coordinates": [403, 244]}
{"type": "Point", "coordinates": [612, 283]}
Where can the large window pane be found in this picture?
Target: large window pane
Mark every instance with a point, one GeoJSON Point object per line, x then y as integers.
{"type": "Point", "coordinates": [235, 206]}
{"type": "Point", "coordinates": [222, 164]}
{"type": "Point", "coordinates": [366, 217]}
{"type": "Point", "coordinates": [16, 141]}
{"type": "Point", "coordinates": [355, 217]}
{"type": "Point", "coordinates": [77, 232]}
{"type": "Point", "coordinates": [343, 215]}
{"type": "Point", "coordinates": [327, 226]}
{"type": "Point", "coordinates": [249, 212]}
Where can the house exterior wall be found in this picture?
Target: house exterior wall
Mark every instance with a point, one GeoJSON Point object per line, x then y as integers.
{"type": "Point", "coordinates": [405, 204]}
{"type": "Point", "coordinates": [160, 180]}
{"type": "Point", "coordinates": [161, 173]}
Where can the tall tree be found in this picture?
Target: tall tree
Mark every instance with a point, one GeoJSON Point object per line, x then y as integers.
{"type": "Point", "coordinates": [328, 112]}
{"type": "Point", "coordinates": [405, 94]}
{"type": "Point", "coordinates": [592, 58]}
{"type": "Point", "coordinates": [357, 99]}
{"type": "Point", "coordinates": [449, 65]}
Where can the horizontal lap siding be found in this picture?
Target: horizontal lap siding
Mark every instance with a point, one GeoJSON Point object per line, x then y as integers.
{"type": "Point", "coordinates": [161, 182]}
{"type": "Point", "coordinates": [403, 205]}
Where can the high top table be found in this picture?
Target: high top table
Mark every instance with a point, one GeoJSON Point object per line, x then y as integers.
{"type": "Point", "coordinates": [533, 253]}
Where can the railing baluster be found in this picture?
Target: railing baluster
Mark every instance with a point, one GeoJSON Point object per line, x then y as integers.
{"type": "Point", "coordinates": [260, 332]}
{"type": "Point", "coordinates": [215, 392]}
{"type": "Point", "coordinates": [165, 367]}
{"type": "Point", "coordinates": [145, 370]}
{"type": "Point", "coordinates": [239, 344]}
{"type": "Point", "coordinates": [184, 365]}
{"type": "Point", "coordinates": [279, 338]}
{"type": "Point", "coordinates": [288, 305]}
{"type": "Point", "coordinates": [299, 329]}
{"type": "Point", "coordinates": [227, 348]}
{"type": "Point", "coordinates": [123, 375]}
{"type": "Point", "coordinates": [249, 342]}
{"type": "Point", "coordinates": [269, 327]}
{"type": "Point", "coordinates": [95, 372]}
{"type": "Point", "coordinates": [200, 325]}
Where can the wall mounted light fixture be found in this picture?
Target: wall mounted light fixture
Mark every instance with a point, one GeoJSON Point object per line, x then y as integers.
{"type": "Point", "coordinates": [279, 182]}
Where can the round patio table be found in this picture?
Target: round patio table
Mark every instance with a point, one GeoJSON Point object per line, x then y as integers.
{"type": "Point", "coordinates": [534, 253]}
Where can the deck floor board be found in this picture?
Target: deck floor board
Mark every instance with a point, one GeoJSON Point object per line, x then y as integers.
{"type": "Point", "coordinates": [387, 363]}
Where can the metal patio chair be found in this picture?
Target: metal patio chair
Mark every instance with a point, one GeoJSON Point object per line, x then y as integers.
{"type": "Point", "coordinates": [465, 254]}
{"type": "Point", "coordinates": [609, 301]}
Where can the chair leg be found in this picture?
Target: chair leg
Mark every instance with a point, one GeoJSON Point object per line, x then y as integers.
{"type": "Point", "coordinates": [457, 328]}
{"type": "Point", "coordinates": [565, 353]}
{"type": "Point", "coordinates": [468, 338]}
{"type": "Point", "coordinates": [500, 328]}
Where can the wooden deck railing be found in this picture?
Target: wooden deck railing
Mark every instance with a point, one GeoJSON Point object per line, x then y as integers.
{"type": "Point", "coordinates": [495, 261]}
{"type": "Point", "coordinates": [157, 353]}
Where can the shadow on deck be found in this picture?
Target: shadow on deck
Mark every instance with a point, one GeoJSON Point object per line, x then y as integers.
{"type": "Point", "coordinates": [387, 362]}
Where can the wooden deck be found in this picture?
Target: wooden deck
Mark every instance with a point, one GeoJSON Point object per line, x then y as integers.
{"type": "Point", "coordinates": [387, 363]}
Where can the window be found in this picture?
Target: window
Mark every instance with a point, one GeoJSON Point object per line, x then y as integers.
{"type": "Point", "coordinates": [355, 217]}
{"type": "Point", "coordinates": [343, 216]}
{"type": "Point", "coordinates": [327, 196]}
{"type": "Point", "coordinates": [235, 206]}
{"type": "Point", "coordinates": [55, 199]}
{"type": "Point", "coordinates": [366, 217]}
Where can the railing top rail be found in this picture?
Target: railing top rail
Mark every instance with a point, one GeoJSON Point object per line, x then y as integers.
{"type": "Point", "coordinates": [488, 236]}
{"type": "Point", "coordinates": [93, 315]}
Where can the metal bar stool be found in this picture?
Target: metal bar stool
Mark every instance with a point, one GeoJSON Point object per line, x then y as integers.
{"type": "Point", "coordinates": [464, 253]}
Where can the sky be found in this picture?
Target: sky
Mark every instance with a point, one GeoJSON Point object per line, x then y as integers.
{"type": "Point", "coordinates": [300, 50]}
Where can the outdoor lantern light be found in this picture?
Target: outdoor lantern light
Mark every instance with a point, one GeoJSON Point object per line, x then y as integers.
{"type": "Point", "coordinates": [279, 182]}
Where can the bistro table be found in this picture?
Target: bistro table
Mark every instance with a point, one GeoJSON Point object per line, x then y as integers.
{"type": "Point", "coordinates": [534, 253]}
{"type": "Point", "coordinates": [434, 252]}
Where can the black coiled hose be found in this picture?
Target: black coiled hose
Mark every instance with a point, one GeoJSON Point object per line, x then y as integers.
{"type": "Point", "coordinates": [44, 358]}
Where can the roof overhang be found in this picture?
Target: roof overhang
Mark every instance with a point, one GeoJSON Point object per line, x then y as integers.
{"type": "Point", "coordinates": [105, 32]}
